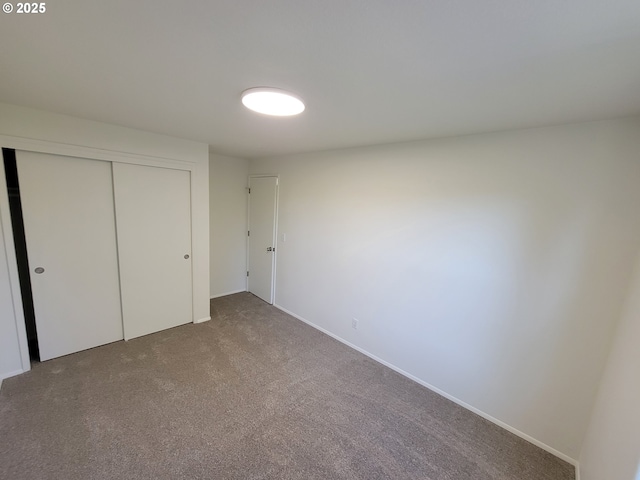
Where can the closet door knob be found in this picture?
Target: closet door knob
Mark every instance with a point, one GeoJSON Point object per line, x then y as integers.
{"type": "Point", "coordinates": [39, 270]}
{"type": "Point", "coordinates": [186, 257]}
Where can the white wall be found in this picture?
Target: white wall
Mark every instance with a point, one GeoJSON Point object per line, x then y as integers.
{"type": "Point", "coordinates": [492, 267]}
{"type": "Point", "coordinates": [612, 447]}
{"type": "Point", "coordinates": [228, 225]}
{"type": "Point", "coordinates": [29, 129]}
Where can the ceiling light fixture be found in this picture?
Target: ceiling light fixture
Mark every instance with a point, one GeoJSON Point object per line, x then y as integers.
{"type": "Point", "coordinates": [272, 101]}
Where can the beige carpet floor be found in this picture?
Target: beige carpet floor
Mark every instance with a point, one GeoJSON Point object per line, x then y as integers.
{"type": "Point", "coordinates": [252, 394]}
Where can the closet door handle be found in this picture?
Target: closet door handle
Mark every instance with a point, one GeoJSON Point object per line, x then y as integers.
{"type": "Point", "coordinates": [39, 270]}
{"type": "Point", "coordinates": [186, 257]}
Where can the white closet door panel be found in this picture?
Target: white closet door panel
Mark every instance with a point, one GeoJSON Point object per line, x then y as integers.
{"type": "Point", "coordinates": [69, 223]}
{"type": "Point", "coordinates": [153, 215]}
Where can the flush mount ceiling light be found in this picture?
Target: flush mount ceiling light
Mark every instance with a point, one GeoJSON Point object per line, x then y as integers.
{"type": "Point", "coordinates": [272, 101]}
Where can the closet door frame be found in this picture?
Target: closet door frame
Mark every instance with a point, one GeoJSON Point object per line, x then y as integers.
{"type": "Point", "coordinates": [89, 153]}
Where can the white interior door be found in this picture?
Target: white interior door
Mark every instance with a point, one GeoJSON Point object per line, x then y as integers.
{"type": "Point", "coordinates": [68, 213]}
{"type": "Point", "coordinates": [263, 194]}
{"type": "Point", "coordinates": [153, 215]}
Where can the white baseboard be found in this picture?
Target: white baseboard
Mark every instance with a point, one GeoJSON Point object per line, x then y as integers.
{"type": "Point", "coordinates": [484, 415]}
{"type": "Point", "coordinates": [10, 374]}
{"type": "Point", "coordinates": [201, 320]}
{"type": "Point", "coordinates": [218, 295]}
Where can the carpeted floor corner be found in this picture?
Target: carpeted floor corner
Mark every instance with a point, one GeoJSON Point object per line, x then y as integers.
{"type": "Point", "coordinates": [252, 394]}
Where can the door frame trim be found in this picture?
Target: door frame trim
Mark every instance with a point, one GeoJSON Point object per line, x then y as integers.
{"type": "Point", "coordinates": [275, 231]}
{"type": "Point", "coordinates": [14, 279]}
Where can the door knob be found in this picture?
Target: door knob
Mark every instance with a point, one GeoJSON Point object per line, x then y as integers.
{"type": "Point", "coordinates": [186, 257]}
{"type": "Point", "coordinates": [39, 270]}
{"type": "Point", "coordinates": [271, 249]}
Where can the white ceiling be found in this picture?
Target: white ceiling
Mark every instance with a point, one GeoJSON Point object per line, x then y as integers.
{"type": "Point", "coordinates": [370, 71]}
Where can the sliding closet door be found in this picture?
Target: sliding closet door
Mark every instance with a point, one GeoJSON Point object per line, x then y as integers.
{"type": "Point", "coordinates": [153, 212]}
{"type": "Point", "coordinates": [69, 223]}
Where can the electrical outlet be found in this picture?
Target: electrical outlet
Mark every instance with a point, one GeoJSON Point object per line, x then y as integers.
{"type": "Point", "coordinates": [354, 323]}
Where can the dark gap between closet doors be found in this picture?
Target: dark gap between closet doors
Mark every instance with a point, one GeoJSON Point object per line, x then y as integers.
{"type": "Point", "coordinates": [19, 240]}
